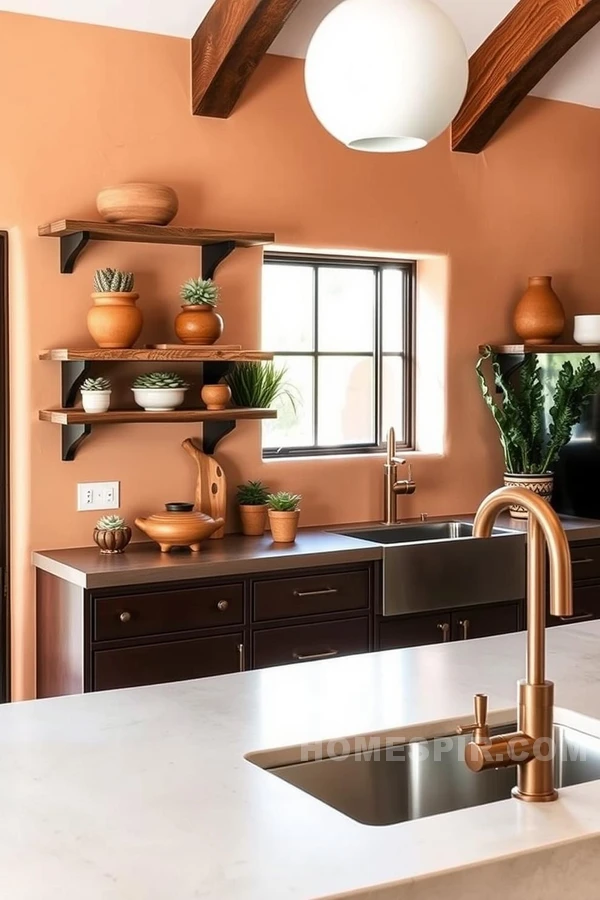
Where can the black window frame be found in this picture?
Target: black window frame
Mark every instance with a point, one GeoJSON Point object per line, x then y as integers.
{"type": "Point", "coordinates": [378, 264]}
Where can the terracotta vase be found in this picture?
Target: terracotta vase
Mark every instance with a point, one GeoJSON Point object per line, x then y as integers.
{"type": "Point", "coordinates": [539, 317]}
{"type": "Point", "coordinates": [254, 519]}
{"type": "Point", "coordinates": [114, 321]}
{"type": "Point", "coordinates": [216, 396]}
{"type": "Point", "coordinates": [112, 540]}
{"type": "Point", "coordinates": [542, 485]}
{"type": "Point", "coordinates": [284, 525]}
{"type": "Point", "coordinates": [138, 203]}
{"type": "Point", "coordinates": [198, 325]}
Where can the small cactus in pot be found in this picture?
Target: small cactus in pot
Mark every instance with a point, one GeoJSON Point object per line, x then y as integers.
{"type": "Point", "coordinates": [114, 321]}
{"type": "Point", "coordinates": [159, 391]}
{"type": "Point", "coordinates": [95, 395]}
{"type": "Point", "coordinates": [252, 502]}
{"type": "Point", "coordinates": [198, 323]}
{"type": "Point", "coordinates": [284, 513]}
{"type": "Point", "coordinates": [112, 534]}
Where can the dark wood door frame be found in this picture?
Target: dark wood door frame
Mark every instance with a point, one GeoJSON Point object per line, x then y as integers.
{"type": "Point", "coordinates": [4, 476]}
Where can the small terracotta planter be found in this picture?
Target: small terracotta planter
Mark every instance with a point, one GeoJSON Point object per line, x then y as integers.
{"type": "Point", "coordinates": [198, 325]}
{"type": "Point", "coordinates": [254, 519]}
{"type": "Point", "coordinates": [542, 485]}
{"type": "Point", "coordinates": [114, 321]}
{"type": "Point", "coordinates": [216, 396]}
{"type": "Point", "coordinates": [284, 525]}
{"type": "Point", "coordinates": [112, 540]}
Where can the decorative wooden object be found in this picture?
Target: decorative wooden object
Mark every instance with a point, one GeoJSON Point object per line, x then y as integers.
{"type": "Point", "coordinates": [171, 354]}
{"type": "Point", "coordinates": [511, 61]}
{"type": "Point", "coordinates": [216, 396]}
{"type": "Point", "coordinates": [539, 317]}
{"type": "Point", "coordinates": [179, 529]}
{"type": "Point", "coordinates": [227, 47]}
{"type": "Point", "coordinates": [198, 325]}
{"type": "Point", "coordinates": [112, 541]}
{"type": "Point", "coordinates": [138, 203]}
{"type": "Point", "coordinates": [211, 487]}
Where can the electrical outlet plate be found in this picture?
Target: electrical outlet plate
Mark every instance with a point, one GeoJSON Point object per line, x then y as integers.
{"type": "Point", "coordinates": [98, 495]}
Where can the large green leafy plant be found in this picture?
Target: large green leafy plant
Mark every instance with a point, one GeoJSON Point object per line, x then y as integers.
{"type": "Point", "coordinates": [518, 410]}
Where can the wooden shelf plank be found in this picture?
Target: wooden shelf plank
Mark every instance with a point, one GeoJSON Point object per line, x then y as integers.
{"type": "Point", "coordinates": [153, 234]}
{"type": "Point", "coordinates": [182, 354]}
{"type": "Point", "coordinates": [78, 416]}
{"type": "Point", "coordinates": [516, 349]}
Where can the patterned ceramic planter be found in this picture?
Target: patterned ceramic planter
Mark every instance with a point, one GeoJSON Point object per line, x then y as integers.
{"type": "Point", "coordinates": [541, 485]}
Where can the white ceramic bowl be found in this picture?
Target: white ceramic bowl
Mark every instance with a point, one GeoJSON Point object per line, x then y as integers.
{"type": "Point", "coordinates": [159, 399]}
{"type": "Point", "coordinates": [95, 401]}
{"type": "Point", "coordinates": [587, 330]}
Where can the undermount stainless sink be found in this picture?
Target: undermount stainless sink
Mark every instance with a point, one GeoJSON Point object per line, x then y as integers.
{"type": "Point", "coordinates": [425, 778]}
{"type": "Point", "coordinates": [429, 566]}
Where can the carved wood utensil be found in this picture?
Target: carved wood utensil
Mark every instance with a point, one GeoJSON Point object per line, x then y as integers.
{"type": "Point", "coordinates": [211, 487]}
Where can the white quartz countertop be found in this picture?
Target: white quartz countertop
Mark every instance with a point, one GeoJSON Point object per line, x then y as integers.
{"type": "Point", "coordinates": [145, 794]}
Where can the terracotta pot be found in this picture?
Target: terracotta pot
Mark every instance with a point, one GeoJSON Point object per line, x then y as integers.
{"type": "Point", "coordinates": [216, 396]}
{"type": "Point", "coordinates": [284, 525]}
{"type": "Point", "coordinates": [114, 321]}
{"type": "Point", "coordinates": [138, 203]}
{"type": "Point", "coordinates": [198, 325]}
{"type": "Point", "coordinates": [539, 317]}
{"type": "Point", "coordinates": [254, 519]}
{"type": "Point", "coordinates": [542, 485]}
{"type": "Point", "coordinates": [112, 540]}
{"type": "Point", "coordinates": [179, 526]}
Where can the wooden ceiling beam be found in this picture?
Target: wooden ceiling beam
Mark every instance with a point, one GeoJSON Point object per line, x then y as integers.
{"type": "Point", "coordinates": [513, 59]}
{"type": "Point", "coordinates": [228, 46]}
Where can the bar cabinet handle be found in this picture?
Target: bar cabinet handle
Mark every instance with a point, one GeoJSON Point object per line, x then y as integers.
{"type": "Point", "coordinates": [304, 657]}
{"type": "Point", "coordinates": [465, 624]}
{"type": "Point", "coordinates": [242, 657]}
{"type": "Point", "coordinates": [445, 629]}
{"type": "Point", "coordinates": [323, 593]}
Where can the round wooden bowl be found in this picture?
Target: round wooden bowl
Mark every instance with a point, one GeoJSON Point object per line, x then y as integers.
{"type": "Point", "coordinates": [138, 203]}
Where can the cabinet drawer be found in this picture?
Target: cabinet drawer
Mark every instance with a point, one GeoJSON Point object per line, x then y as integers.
{"type": "Point", "coordinates": [310, 595]}
{"type": "Point", "coordinates": [415, 631]}
{"type": "Point", "coordinates": [301, 643]}
{"type": "Point", "coordinates": [482, 621]}
{"type": "Point", "coordinates": [174, 661]}
{"type": "Point", "coordinates": [162, 612]}
{"type": "Point", "coordinates": [586, 562]}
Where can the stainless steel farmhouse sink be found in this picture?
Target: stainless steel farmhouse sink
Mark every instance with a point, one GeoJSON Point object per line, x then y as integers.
{"type": "Point", "coordinates": [411, 781]}
{"type": "Point", "coordinates": [440, 565]}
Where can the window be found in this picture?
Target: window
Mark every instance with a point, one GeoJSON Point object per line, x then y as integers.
{"type": "Point", "coordinates": [343, 328]}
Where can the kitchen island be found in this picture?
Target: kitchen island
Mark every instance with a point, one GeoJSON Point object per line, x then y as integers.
{"type": "Point", "coordinates": [146, 793]}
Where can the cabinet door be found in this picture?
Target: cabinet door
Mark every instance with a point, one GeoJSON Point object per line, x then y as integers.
{"type": "Point", "coordinates": [414, 631]}
{"type": "Point", "coordinates": [586, 606]}
{"type": "Point", "coordinates": [303, 643]}
{"type": "Point", "coordinates": [172, 661]}
{"type": "Point", "coordinates": [484, 621]}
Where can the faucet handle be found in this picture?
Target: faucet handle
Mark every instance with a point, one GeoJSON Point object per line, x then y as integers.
{"type": "Point", "coordinates": [479, 728]}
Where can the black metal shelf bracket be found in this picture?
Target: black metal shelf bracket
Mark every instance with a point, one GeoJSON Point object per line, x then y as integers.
{"type": "Point", "coordinates": [71, 245]}
{"type": "Point", "coordinates": [72, 438]}
{"type": "Point", "coordinates": [213, 255]}
{"type": "Point", "coordinates": [72, 375]}
{"type": "Point", "coordinates": [214, 432]}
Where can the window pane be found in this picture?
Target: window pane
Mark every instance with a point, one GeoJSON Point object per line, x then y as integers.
{"type": "Point", "coordinates": [287, 308]}
{"type": "Point", "coordinates": [346, 394]}
{"type": "Point", "coordinates": [393, 386]}
{"type": "Point", "coordinates": [346, 310]}
{"type": "Point", "coordinates": [293, 429]}
{"type": "Point", "coordinates": [393, 310]}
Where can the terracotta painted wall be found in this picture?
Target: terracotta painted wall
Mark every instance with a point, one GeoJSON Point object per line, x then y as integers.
{"type": "Point", "coordinates": [85, 106]}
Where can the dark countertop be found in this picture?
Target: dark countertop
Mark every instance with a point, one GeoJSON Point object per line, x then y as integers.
{"type": "Point", "coordinates": [143, 563]}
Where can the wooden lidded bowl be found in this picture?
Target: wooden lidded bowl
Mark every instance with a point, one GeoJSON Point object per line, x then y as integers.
{"type": "Point", "coordinates": [179, 526]}
{"type": "Point", "coordinates": [138, 203]}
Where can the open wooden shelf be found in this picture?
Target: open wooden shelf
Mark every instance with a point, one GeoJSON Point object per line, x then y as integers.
{"type": "Point", "coordinates": [183, 354]}
{"type": "Point", "coordinates": [153, 234]}
{"type": "Point", "coordinates": [78, 416]}
{"type": "Point", "coordinates": [516, 349]}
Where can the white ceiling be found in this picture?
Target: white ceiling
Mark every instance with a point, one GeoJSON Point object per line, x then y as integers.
{"type": "Point", "coordinates": [575, 79]}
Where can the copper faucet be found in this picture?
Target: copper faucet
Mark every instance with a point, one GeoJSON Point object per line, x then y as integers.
{"type": "Point", "coordinates": [391, 486]}
{"type": "Point", "coordinates": [531, 747]}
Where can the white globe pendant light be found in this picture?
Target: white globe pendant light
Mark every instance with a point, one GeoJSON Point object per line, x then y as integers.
{"type": "Point", "coordinates": [386, 75]}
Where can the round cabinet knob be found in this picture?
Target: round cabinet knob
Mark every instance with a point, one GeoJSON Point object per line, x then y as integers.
{"type": "Point", "coordinates": [125, 617]}
{"type": "Point", "coordinates": [223, 605]}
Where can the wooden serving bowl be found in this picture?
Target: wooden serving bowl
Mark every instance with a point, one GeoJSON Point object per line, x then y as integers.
{"type": "Point", "coordinates": [179, 529]}
{"type": "Point", "coordinates": [138, 203]}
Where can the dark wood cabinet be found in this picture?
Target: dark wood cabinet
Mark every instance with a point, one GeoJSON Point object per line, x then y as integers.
{"type": "Point", "coordinates": [485, 621]}
{"type": "Point", "coordinates": [310, 595]}
{"type": "Point", "coordinates": [454, 625]}
{"type": "Point", "coordinates": [301, 643]}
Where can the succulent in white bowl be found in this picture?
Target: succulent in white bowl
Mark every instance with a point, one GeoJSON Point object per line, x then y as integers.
{"type": "Point", "coordinates": [95, 395]}
{"type": "Point", "coordinates": [159, 391]}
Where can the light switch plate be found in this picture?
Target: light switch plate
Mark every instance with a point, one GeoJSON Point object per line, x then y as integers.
{"type": "Point", "coordinates": [98, 495]}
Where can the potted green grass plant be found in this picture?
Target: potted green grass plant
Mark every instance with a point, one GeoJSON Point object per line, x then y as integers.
{"type": "Point", "coordinates": [284, 513]}
{"type": "Point", "coordinates": [252, 502]}
{"type": "Point", "coordinates": [530, 448]}
{"type": "Point", "coordinates": [198, 323]}
{"type": "Point", "coordinates": [258, 385]}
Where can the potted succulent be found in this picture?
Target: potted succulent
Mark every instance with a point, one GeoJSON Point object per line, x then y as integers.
{"type": "Point", "coordinates": [259, 385]}
{"type": "Point", "coordinates": [159, 391]}
{"type": "Point", "coordinates": [519, 410]}
{"type": "Point", "coordinates": [284, 512]}
{"type": "Point", "coordinates": [198, 323]}
{"type": "Point", "coordinates": [114, 321]}
{"type": "Point", "coordinates": [95, 395]}
{"type": "Point", "coordinates": [112, 534]}
{"type": "Point", "coordinates": [252, 500]}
